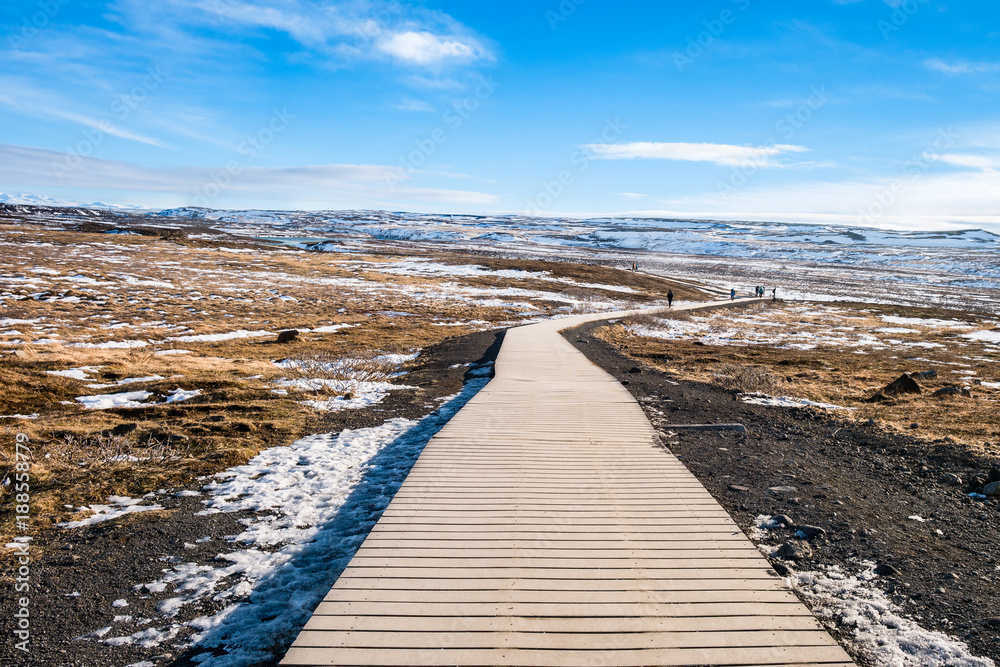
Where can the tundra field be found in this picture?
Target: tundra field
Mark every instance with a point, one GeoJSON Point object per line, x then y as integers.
{"type": "Point", "coordinates": [196, 485]}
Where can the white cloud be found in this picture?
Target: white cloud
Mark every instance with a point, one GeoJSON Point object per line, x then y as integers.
{"type": "Point", "coordinates": [28, 100]}
{"type": "Point", "coordinates": [721, 154]}
{"type": "Point", "coordinates": [410, 104]}
{"type": "Point", "coordinates": [960, 67]}
{"type": "Point", "coordinates": [37, 167]}
{"type": "Point", "coordinates": [632, 195]}
{"type": "Point", "coordinates": [965, 160]}
{"type": "Point", "coordinates": [424, 48]}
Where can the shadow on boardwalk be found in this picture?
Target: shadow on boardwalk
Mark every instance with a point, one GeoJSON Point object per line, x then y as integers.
{"type": "Point", "coordinates": [258, 630]}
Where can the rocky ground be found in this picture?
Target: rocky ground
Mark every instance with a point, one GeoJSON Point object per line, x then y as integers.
{"type": "Point", "coordinates": [78, 573]}
{"type": "Point", "coordinates": [856, 482]}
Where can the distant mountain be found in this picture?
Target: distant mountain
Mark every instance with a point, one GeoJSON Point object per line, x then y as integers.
{"type": "Point", "coordinates": [29, 199]}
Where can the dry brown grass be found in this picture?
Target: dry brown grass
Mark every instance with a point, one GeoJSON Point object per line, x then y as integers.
{"type": "Point", "coordinates": [839, 375]}
{"type": "Point", "coordinates": [154, 288]}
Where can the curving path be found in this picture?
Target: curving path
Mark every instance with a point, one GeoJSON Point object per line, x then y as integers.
{"type": "Point", "coordinates": [544, 526]}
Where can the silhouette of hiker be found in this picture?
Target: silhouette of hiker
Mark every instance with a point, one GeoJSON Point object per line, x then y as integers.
{"type": "Point", "coordinates": [774, 294]}
{"type": "Point", "coordinates": [670, 298]}
{"type": "Point", "coordinates": [732, 294]}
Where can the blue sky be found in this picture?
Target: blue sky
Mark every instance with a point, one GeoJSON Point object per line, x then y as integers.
{"type": "Point", "coordinates": [879, 112]}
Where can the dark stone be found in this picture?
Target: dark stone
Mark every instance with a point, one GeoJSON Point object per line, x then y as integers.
{"type": "Point", "coordinates": [796, 551]}
{"type": "Point", "coordinates": [811, 531]}
{"type": "Point", "coordinates": [782, 569]}
{"type": "Point", "coordinates": [904, 384]}
{"type": "Point", "coordinates": [926, 375]}
{"type": "Point", "coordinates": [625, 382]}
{"type": "Point", "coordinates": [886, 570]}
{"type": "Point", "coordinates": [783, 519]}
{"type": "Point", "coordinates": [951, 479]}
{"type": "Point", "coordinates": [738, 488]}
{"type": "Point", "coordinates": [878, 398]}
{"type": "Point", "coordinates": [947, 391]}
{"type": "Point", "coordinates": [635, 369]}
{"type": "Point", "coordinates": [287, 336]}
{"type": "Point", "coordinates": [994, 475]}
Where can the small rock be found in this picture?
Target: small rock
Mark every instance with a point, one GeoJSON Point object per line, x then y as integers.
{"type": "Point", "coordinates": [947, 391]}
{"type": "Point", "coordinates": [879, 397]}
{"type": "Point", "coordinates": [926, 375]}
{"type": "Point", "coordinates": [625, 383]}
{"type": "Point", "coordinates": [992, 622]}
{"type": "Point", "coordinates": [951, 479]}
{"type": "Point", "coordinates": [886, 570]}
{"type": "Point", "coordinates": [992, 489]}
{"type": "Point", "coordinates": [810, 532]}
{"type": "Point", "coordinates": [796, 551]}
{"type": "Point", "coordinates": [781, 489]}
{"type": "Point", "coordinates": [287, 336]}
{"type": "Point", "coordinates": [904, 384]}
{"type": "Point", "coordinates": [783, 519]}
{"type": "Point", "coordinates": [914, 425]}
{"type": "Point", "coordinates": [994, 475]}
{"type": "Point", "coordinates": [966, 392]}
{"type": "Point", "coordinates": [738, 488]}
{"type": "Point", "coordinates": [634, 370]}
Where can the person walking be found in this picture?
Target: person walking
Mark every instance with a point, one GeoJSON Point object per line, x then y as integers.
{"type": "Point", "coordinates": [732, 294]}
{"type": "Point", "coordinates": [774, 294]}
{"type": "Point", "coordinates": [670, 298]}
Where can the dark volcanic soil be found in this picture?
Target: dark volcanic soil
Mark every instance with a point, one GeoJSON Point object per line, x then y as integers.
{"type": "Point", "coordinates": [76, 574]}
{"type": "Point", "coordinates": [856, 481]}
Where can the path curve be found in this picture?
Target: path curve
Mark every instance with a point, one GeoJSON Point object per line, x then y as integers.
{"type": "Point", "coordinates": [544, 526]}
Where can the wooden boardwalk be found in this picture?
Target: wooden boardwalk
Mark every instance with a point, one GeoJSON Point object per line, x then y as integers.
{"type": "Point", "coordinates": [542, 526]}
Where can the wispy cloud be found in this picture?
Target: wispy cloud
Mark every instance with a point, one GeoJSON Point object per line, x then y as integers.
{"type": "Point", "coordinates": [984, 162]}
{"type": "Point", "coordinates": [369, 29]}
{"type": "Point", "coordinates": [721, 154]}
{"type": "Point", "coordinates": [28, 100]}
{"type": "Point", "coordinates": [39, 167]}
{"type": "Point", "coordinates": [410, 104]}
{"type": "Point", "coordinates": [960, 67]}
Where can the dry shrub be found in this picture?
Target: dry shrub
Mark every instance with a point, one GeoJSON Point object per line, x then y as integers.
{"type": "Point", "coordinates": [747, 378]}
{"type": "Point", "coordinates": [336, 375]}
{"type": "Point", "coordinates": [75, 457]}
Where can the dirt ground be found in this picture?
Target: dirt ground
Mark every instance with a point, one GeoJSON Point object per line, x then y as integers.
{"type": "Point", "coordinates": [858, 481]}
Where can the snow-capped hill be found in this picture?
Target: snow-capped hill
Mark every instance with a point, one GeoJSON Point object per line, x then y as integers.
{"type": "Point", "coordinates": [32, 200]}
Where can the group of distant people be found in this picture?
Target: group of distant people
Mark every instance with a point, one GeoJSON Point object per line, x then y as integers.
{"type": "Point", "coordinates": [758, 293]}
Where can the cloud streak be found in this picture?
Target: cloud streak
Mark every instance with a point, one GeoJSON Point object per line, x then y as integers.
{"type": "Point", "coordinates": [721, 154]}
{"type": "Point", "coordinates": [36, 167]}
